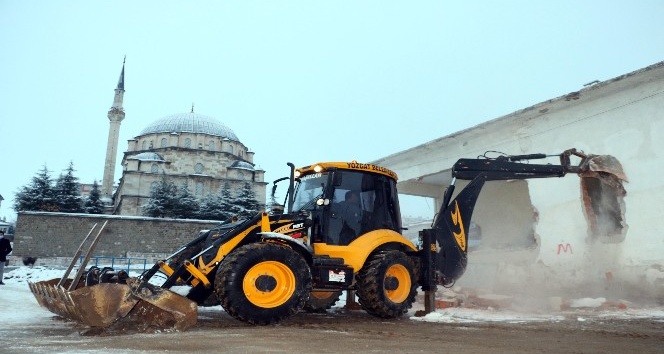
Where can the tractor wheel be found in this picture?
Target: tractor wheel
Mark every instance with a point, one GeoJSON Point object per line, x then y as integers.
{"type": "Point", "coordinates": [321, 301]}
{"type": "Point", "coordinates": [263, 283]}
{"type": "Point", "coordinates": [387, 285]}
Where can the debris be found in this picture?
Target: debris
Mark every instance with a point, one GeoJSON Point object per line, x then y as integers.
{"type": "Point", "coordinates": [494, 301]}
{"type": "Point", "coordinates": [556, 303]}
{"type": "Point", "coordinates": [587, 302]}
{"type": "Point", "coordinates": [446, 303]}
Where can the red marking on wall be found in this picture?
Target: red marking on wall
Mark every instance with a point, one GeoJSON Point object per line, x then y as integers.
{"type": "Point", "coordinates": [565, 248]}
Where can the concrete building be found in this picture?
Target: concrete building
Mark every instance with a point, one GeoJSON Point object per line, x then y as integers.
{"type": "Point", "coordinates": [544, 234]}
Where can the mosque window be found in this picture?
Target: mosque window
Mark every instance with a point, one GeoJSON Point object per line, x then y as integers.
{"type": "Point", "coordinates": [199, 188]}
{"type": "Point", "coordinates": [200, 145]}
{"type": "Point", "coordinates": [198, 168]}
{"type": "Point", "coordinates": [145, 145]}
{"type": "Point", "coordinates": [241, 153]}
{"type": "Point", "coordinates": [154, 168]}
{"type": "Point", "coordinates": [211, 146]}
{"type": "Point", "coordinates": [230, 148]}
{"type": "Point", "coordinates": [187, 143]}
{"type": "Point", "coordinates": [240, 175]}
{"type": "Point", "coordinates": [164, 142]}
{"type": "Point", "coordinates": [154, 185]}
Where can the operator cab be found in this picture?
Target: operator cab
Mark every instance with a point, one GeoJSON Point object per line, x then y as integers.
{"type": "Point", "coordinates": [346, 200]}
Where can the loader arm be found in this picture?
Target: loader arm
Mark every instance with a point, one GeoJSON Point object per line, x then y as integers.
{"type": "Point", "coordinates": [445, 244]}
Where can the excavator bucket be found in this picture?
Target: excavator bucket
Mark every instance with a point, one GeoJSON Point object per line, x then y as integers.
{"type": "Point", "coordinates": [135, 305]}
{"type": "Point", "coordinates": [607, 164]}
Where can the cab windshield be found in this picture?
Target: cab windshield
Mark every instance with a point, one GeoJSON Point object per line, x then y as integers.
{"type": "Point", "coordinates": [309, 189]}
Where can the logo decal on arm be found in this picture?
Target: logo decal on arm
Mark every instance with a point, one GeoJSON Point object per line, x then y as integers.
{"type": "Point", "coordinates": [460, 237]}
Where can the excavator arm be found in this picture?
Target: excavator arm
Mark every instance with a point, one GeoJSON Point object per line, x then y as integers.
{"type": "Point", "coordinates": [445, 243]}
{"type": "Point", "coordinates": [511, 167]}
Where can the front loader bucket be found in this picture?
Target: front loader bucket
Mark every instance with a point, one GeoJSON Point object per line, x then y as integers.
{"type": "Point", "coordinates": [160, 308]}
{"type": "Point", "coordinates": [132, 305]}
{"type": "Point", "coordinates": [96, 306]}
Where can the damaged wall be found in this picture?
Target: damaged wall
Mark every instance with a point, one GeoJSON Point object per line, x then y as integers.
{"type": "Point", "coordinates": [617, 250]}
{"type": "Point", "coordinates": [506, 206]}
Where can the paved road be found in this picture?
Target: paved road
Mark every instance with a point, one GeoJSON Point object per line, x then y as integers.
{"type": "Point", "coordinates": [350, 332]}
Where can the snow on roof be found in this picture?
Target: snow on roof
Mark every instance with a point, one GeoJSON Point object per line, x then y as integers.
{"type": "Point", "coordinates": [147, 156]}
{"type": "Point", "coordinates": [190, 123]}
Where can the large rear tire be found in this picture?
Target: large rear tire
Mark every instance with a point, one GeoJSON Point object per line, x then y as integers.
{"type": "Point", "coordinates": [263, 283]}
{"type": "Point", "coordinates": [387, 285]}
{"type": "Point", "coordinates": [321, 301]}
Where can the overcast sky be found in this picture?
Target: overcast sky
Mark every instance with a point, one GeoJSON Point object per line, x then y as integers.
{"type": "Point", "coordinates": [297, 81]}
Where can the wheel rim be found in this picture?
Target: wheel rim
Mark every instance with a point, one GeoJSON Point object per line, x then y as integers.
{"type": "Point", "coordinates": [322, 295]}
{"type": "Point", "coordinates": [401, 274]}
{"type": "Point", "coordinates": [269, 284]}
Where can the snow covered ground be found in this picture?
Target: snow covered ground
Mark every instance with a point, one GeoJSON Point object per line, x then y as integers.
{"type": "Point", "coordinates": [25, 327]}
{"type": "Point", "coordinates": [19, 309]}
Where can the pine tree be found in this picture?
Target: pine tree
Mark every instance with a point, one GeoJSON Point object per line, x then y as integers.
{"type": "Point", "coordinates": [210, 208]}
{"type": "Point", "coordinates": [273, 206]}
{"type": "Point", "coordinates": [93, 203]}
{"type": "Point", "coordinates": [162, 199]}
{"type": "Point", "coordinates": [39, 195]}
{"type": "Point", "coordinates": [185, 205]}
{"type": "Point", "coordinates": [68, 192]}
{"type": "Point", "coordinates": [229, 204]}
{"type": "Point", "coordinates": [218, 206]}
{"type": "Point", "coordinates": [246, 201]}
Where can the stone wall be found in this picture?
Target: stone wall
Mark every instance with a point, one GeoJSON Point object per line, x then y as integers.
{"type": "Point", "coordinates": [52, 235]}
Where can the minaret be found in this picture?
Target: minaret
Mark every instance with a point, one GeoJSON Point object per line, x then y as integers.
{"type": "Point", "coordinates": [115, 115]}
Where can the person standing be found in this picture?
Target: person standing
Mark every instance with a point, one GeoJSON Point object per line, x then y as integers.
{"type": "Point", "coordinates": [5, 249]}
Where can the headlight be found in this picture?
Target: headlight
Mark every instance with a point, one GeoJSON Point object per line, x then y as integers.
{"type": "Point", "coordinates": [318, 168]}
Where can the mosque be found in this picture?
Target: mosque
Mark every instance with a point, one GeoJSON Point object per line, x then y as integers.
{"type": "Point", "coordinates": [187, 148]}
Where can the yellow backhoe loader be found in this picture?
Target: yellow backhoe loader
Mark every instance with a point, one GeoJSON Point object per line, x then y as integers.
{"type": "Point", "coordinates": [340, 230]}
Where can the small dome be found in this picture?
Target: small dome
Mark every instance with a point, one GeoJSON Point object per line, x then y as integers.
{"type": "Point", "coordinates": [243, 165]}
{"type": "Point", "coordinates": [190, 123]}
{"type": "Point", "coordinates": [147, 156]}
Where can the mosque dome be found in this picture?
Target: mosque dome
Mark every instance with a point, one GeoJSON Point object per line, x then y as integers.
{"type": "Point", "coordinates": [190, 123]}
{"type": "Point", "coordinates": [242, 165]}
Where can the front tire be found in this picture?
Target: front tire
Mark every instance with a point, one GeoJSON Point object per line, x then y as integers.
{"type": "Point", "coordinates": [263, 283]}
{"type": "Point", "coordinates": [387, 285]}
